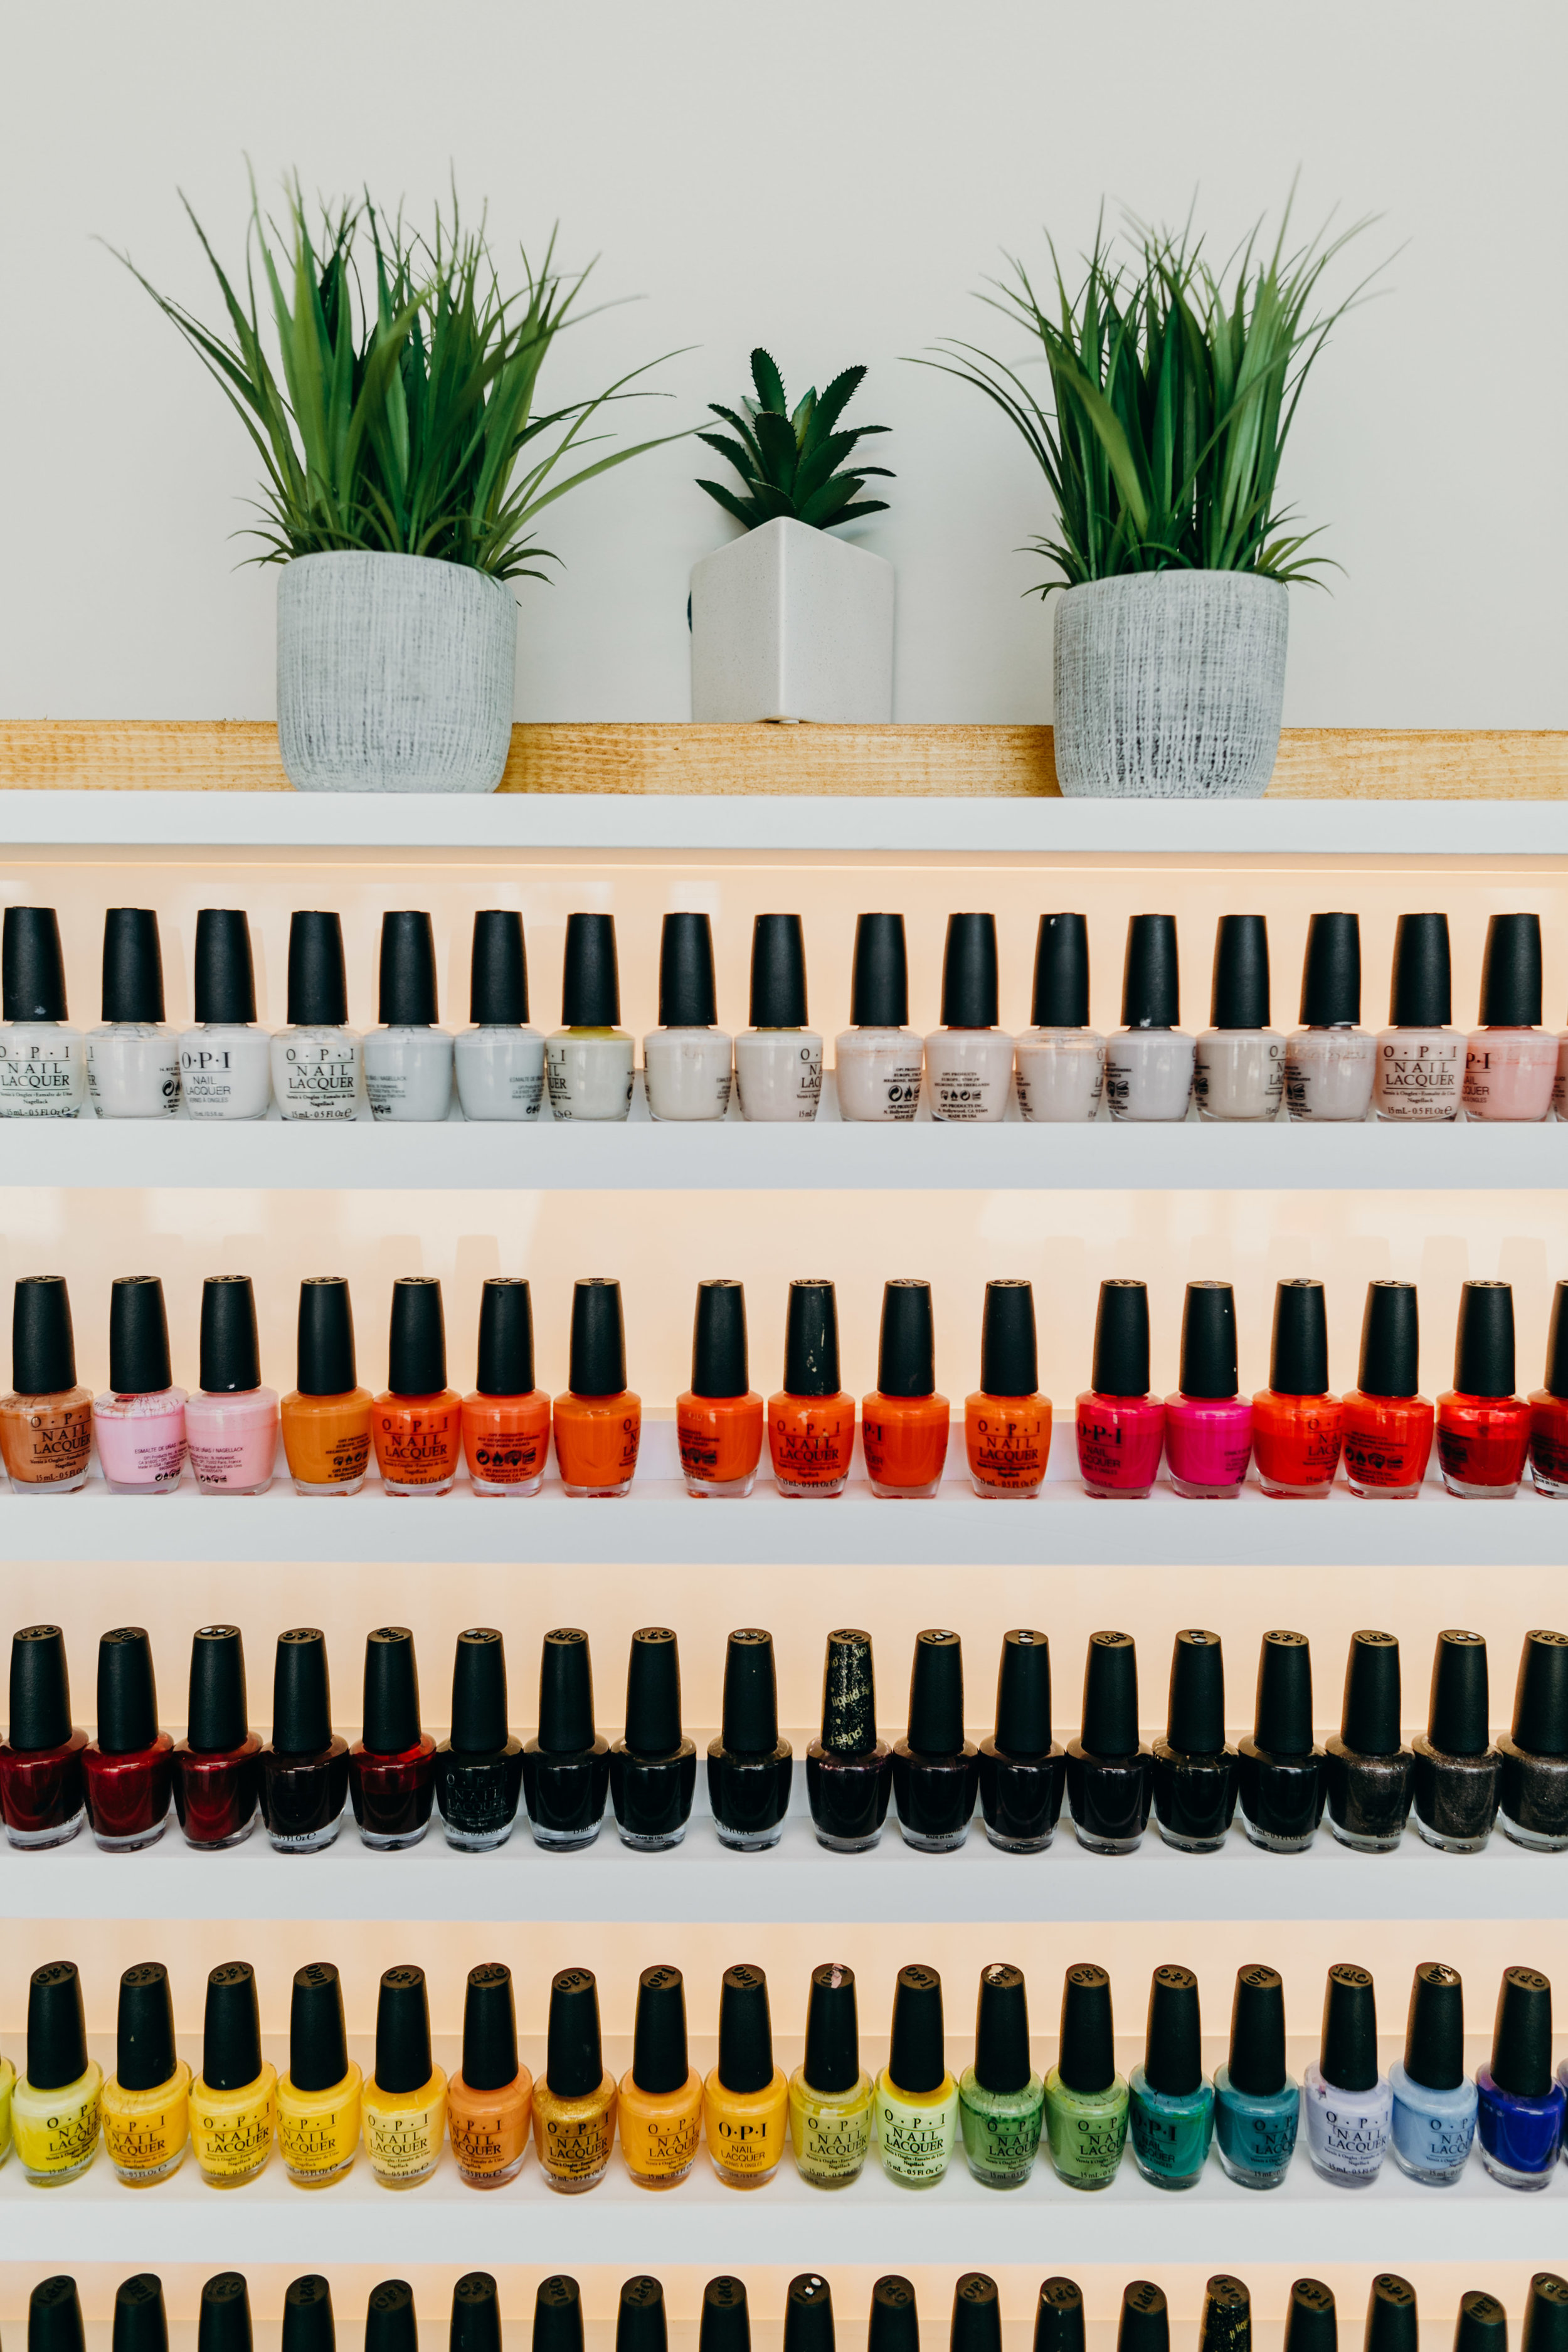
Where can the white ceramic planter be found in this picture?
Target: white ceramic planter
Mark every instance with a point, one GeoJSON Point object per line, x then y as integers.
{"type": "Point", "coordinates": [790, 623]}
{"type": "Point", "coordinates": [1169, 685]}
{"type": "Point", "coordinates": [395, 674]}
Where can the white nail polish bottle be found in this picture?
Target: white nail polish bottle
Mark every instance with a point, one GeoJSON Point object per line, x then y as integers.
{"type": "Point", "coordinates": [1238, 1069]}
{"type": "Point", "coordinates": [407, 1059]}
{"type": "Point", "coordinates": [226, 1068]}
{"type": "Point", "coordinates": [1148, 1060]}
{"type": "Point", "coordinates": [878, 1062]}
{"type": "Point", "coordinates": [132, 1061]}
{"type": "Point", "coordinates": [588, 1061]}
{"type": "Point", "coordinates": [316, 1059]}
{"type": "Point", "coordinates": [778, 1060]}
{"type": "Point", "coordinates": [1331, 1060]}
{"type": "Point", "coordinates": [1060, 1059]}
{"type": "Point", "coordinates": [687, 1059]}
{"type": "Point", "coordinates": [500, 1060]}
{"type": "Point", "coordinates": [42, 1060]}
{"type": "Point", "coordinates": [1420, 1059]}
{"type": "Point", "coordinates": [969, 1061]}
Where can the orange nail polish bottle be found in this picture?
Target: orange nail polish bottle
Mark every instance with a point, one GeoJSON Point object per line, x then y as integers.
{"type": "Point", "coordinates": [661, 2104]}
{"type": "Point", "coordinates": [811, 1422]}
{"type": "Point", "coordinates": [719, 1419]}
{"type": "Point", "coordinates": [1007, 1426]}
{"type": "Point", "coordinates": [598, 1421]}
{"type": "Point", "coordinates": [903, 1422]}
{"type": "Point", "coordinates": [417, 1420]}
{"type": "Point", "coordinates": [506, 1420]}
{"type": "Point", "coordinates": [490, 2104]}
{"type": "Point", "coordinates": [326, 1418]}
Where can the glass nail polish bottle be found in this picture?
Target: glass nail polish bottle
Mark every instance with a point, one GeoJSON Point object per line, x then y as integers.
{"type": "Point", "coordinates": [1194, 1773]}
{"type": "Point", "coordinates": [1170, 2104]}
{"type": "Point", "coordinates": [1331, 1060]}
{"type": "Point", "coordinates": [778, 1060]}
{"type": "Point", "coordinates": [917, 2098]}
{"type": "Point", "coordinates": [1208, 1423]}
{"type": "Point", "coordinates": [1533, 1784]}
{"type": "Point", "coordinates": [1433, 2098]}
{"type": "Point", "coordinates": [687, 1059]}
{"type": "Point", "coordinates": [146, 2101]}
{"type": "Point", "coordinates": [661, 2093]}
{"type": "Point", "coordinates": [1006, 1422]}
{"type": "Point", "coordinates": [231, 1420]}
{"type": "Point", "coordinates": [234, 2099]}
{"type": "Point", "coordinates": [831, 2099]}
{"type": "Point", "coordinates": [1060, 1060]}
{"type": "Point", "coordinates": [749, 1766]}
{"type": "Point", "coordinates": [566, 1764]}
{"type": "Point", "coordinates": [326, 1418]}
{"type": "Point", "coordinates": [42, 1060]}
{"type": "Point", "coordinates": [1483, 1429]}
{"type": "Point", "coordinates": [46, 1423]}
{"type": "Point", "coordinates": [1022, 1772]}
{"type": "Point", "coordinates": [848, 1771]}
{"type": "Point", "coordinates": [506, 1419]}
{"type": "Point", "coordinates": [53, 2317]}
{"type": "Point", "coordinates": [1148, 1060]}
{"type": "Point", "coordinates": [416, 1422]}
{"type": "Point", "coordinates": [217, 1765]}
{"type": "Point", "coordinates": [1297, 1426]}
{"type": "Point", "coordinates": [1110, 1772]}
{"type": "Point", "coordinates": [969, 1061]}
{"type": "Point", "coordinates": [392, 1765]}
{"type": "Point", "coordinates": [1256, 2104]}
{"type": "Point", "coordinates": [226, 1069]}
{"type": "Point", "coordinates": [719, 1419]}
{"type": "Point", "coordinates": [1238, 1069]}
{"type": "Point", "coordinates": [598, 1421]}
{"type": "Point", "coordinates": [811, 1421]}
{"type": "Point", "coordinates": [316, 1059]}
{"type": "Point", "coordinates": [1281, 1782]}
{"type": "Point", "coordinates": [1511, 1062]}
{"type": "Point", "coordinates": [1388, 1426]}
{"type": "Point", "coordinates": [589, 1060]}
{"type": "Point", "coordinates": [489, 2103]}
{"type": "Point", "coordinates": [653, 1766]}
{"type": "Point", "coordinates": [1001, 2099]}
{"type": "Point", "coordinates": [57, 2105]}
{"type": "Point", "coordinates": [745, 2099]}
{"type": "Point", "coordinates": [304, 1765]}
{"type": "Point", "coordinates": [879, 1060]}
{"type": "Point", "coordinates": [1520, 2108]}
{"type": "Point", "coordinates": [1548, 1406]}
{"type": "Point", "coordinates": [1086, 2098]}
{"type": "Point", "coordinates": [42, 1782]}
{"type": "Point", "coordinates": [1120, 1427]}
{"type": "Point", "coordinates": [499, 1062]}
{"type": "Point", "coordinates": [1420, 1059]}
{"type": "Point", "coordinates": [904, 1422]}
{"type": "Point", "coordinates": [408, 1058]}
{"type": "Point", "coordinates": [128, 1768]}
{"type": "Point", "coordinates": [1457, 1767]}
{"type": "Point", "coordinates": [479, 1770]}
{"type": "Point", "coordinates": [403, 2108]}
{"type": "Point", "coordinates": [319, 2097]}
{"type": "Point", "coordinates": [140, 1420]}
{"type": "Point", "coordinates": [894, 2324]}
{"type": "Point", "coordinates": [1226, 2323]}
{"type": "Point", "coordinates": [133, 1060]}
{"type": "Point", "coordinates": [1368, 1771]}
{"type": "Point", "coordinates": [1348, 2105]}
{"type": "Point", "coordinates": [936, 1770]}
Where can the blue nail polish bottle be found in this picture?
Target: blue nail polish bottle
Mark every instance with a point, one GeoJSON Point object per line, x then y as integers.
{"type": "Point", "coordinates": [1257, 2105]}
{"type": "Point", "coordinates": [1171, 2107]}
{"type": "Point", "coordinates": [1519, 2118]}
{"type": "Point", "coordinates": [1433, 2099]}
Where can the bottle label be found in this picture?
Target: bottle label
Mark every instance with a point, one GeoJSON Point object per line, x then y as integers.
{"type": "Point", "coordinates": [577, 2148]}
{"type": "Point", "coordinates": [320, 1081]}
{"type": "Point", "coordinates": [38, 1080]}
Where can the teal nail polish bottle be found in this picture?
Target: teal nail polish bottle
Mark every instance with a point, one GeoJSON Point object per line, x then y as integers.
{"type": "Point", "coordinates": [1172, 2117]}
{"type": "Point", "coordinates": [1258, 2105]}
{"type": "Point", "coordinates": [1001, 2099]}
{"type": "Point", "coordinates": [1086, 2098]}
{"type": "Point", "coordinates": [1226, 2323]}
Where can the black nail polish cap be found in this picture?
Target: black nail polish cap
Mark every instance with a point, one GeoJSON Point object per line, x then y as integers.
{"type": "Point", "coordinates": [976, 2314]}
{"type": "Point", "coordinates": [223, 2324]}
{"type": "Point", "coordinates": [1282, 1711]}
{"type": "Point", "coordinates": [558, 2315]}
{"type": "Point", "coordinates": [231, 2028]}
{"type": "Point", "coordinates": [416, 1341]}
{"type": "Point", "coordinates": [476, 2315]}
{"type": "Point", "coordinates": [1555, 1381]}
{"type": "Point", "coordinates": [1238, 995]}
{"type": "Point", "coordinates": [217, 1716]}
{"type": "Point", "coordinates": [1058, 2316]}
{"type": "Point", "coordinates": [1369, 1718]}
{"type": "Point", "coordinates": [1208, 1341]}
{"type": "Point", "coordinates": [1226, 2322]}
{"type": "Point", "coordinates": [1173, 2060]}
{"type": "Point", "coordinates": [54, 2311]}
{"type": "Point", "coordinates": [597, 1364]}
{"type": "Point", "coordinates": [1539, 1695]}
{"type": "Point", "coordinates": [40, 1708]}
{"type": "Point", "coordinates": [506, 1337]}
{"type": "Point", "coordinates": [778, 972]}
{"type": "Point", "coordinates": [391, 1721]}
{"type": "Point", "coordinates": [390, 2324]}
{"type": "Point", "coordinates": [808, 2314]}
{"type": "Point", "coordinates": [849, 1694]}
{"type": "Point", "coordinates": [1061, 997]}
{"type": "Point", "coordinates": [1257, 2055]}
{"type": "Point", "coordinates": [1194, 1717]}
{"type": "Point", "coordinates": [1521, 2035]}
{"type": "Point", "coordinates": [1390, 1340]}
{"type": "Point", "coordinates": [969, 973]}
{"type": "Point", "coordinates": [489, 2028]}
{"type": "Point", "coordinates": [565, 1691]}
{"type": "Point", "coordinates": [1458, 1709]}
{"type": "Point", "coordinates": [497, 971]}
{"type": "Point", "coordinates": [308, 2324]}
{"type": "Point", "coordinates": [719, 1364]}
{"type": "Point", "coordinates": [936, 1694]}
{"type": "Point", "coordinates": [302, 1695]}
{"type": "Point", "coordinates": [1420, 992]}
{"type": "Point", "coordinates": [574, 2063]}
{"type": "Point", "coordinates": [318, 990]}
{"type": "Point", "coordinates": [133, 965]}
{"type": "Point", "coordinates": [639, 2318]}
{"type": "Point", "coordinates": [325, 1347]}
{"type": "Point", "coordinates": [653, 1692]}
{"type": "Point", "coordinates": [1298, 1351]}
{"type": "Point", "coordinates": [43, 1344]}
{"type": "Point", "coordinates": [224, 975]}
{"type": "Point", "coordinates": [745, 2030]}
{"type": "Point", "coordinates": [32, 967]}
{"type": "Point", "coordinates": [231, 1350]}
{"type": "Point", "coordinates": [659, 2060]}
{"type": "Point", "coordinates": [317, 2044]}
{"type": "Point", "coordinates": [1024, 1693]}
{"type": "Point", "coordinates": [1150, 977]}
{"type": "Point", "coordinates": [1483, 1341]}
{"type": "Point", "coordinates": [1349, 2051]}
{"type": "Point", "coordinates": [1482, 2324]}
{"type": "Point", "coordinates": [1120, 1366]}
{"type": "Point", "coordinates": [1511, 973]}
{"type": "Point", "coordinates": [751, 1714]}
{"type": "Point", "coordinates": [915, 2056]}
{"type": "Point", "coordinates": [1110, 1695]}
{"type": "Point", "coordinates": [403, 2030]}
{"type": "Point", "coordinates": [1009, 1358]}
{"type": "Point", "coordinates": [406, 996]}
{"type": "Point", "coordinates": [1001, 2029]}
{"type": "Point", "coordinates": [879, 980]}
{"type": "Point", "coordinates": [1330, 973]}
{"type": "Point", "coordinates": [894, 2324]}
{"type": "Point", "coordinates": [810, 1339]}
{"type": "Point", "coordinates": [590, 976]}
{"type": "Point", "coordinates": [726, 2325]}
{"type": "Point", "coordinates": [56, 2029]}
{"type": "Point", "coordinates": [1390, 2315]}
{"type": "Point", "coordinates": [479, 1694]}
{"type": "Point", "coordinates": [1146, 2322]}
{"type": "Point", "coordinates": [687, 998]}
{"type": "Point", "coordinates": [832, 2030]}
{"type": "Point", "coordinates": [1545, 2315]}
{"type": "Point", "coordinates": [1310, 2322]}
{"type": "Point", "coordinates": [1086, 2056]}
{"type": "Point", "coordinates": [138, 1335]}
{"type": "Point", "coordinates": [906, 1346]}
{"type": "Point", "coordinates": [127, 1691]}
{"type": "Point", "coordinates": [144, 2028]}
{"type": "Point", "coordinates": [1435, 2027]}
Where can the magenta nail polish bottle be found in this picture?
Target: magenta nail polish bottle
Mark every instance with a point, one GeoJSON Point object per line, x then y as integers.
{"type": "Point", "coordinates": [1120, 1427]}
{"type": "Point", "coordinates": [1208, 1426]}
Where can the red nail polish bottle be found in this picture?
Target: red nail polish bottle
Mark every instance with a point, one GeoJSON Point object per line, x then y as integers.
{"type": "Point", "coordinates": [1297, 1426]}
{"type": "Point", "coordinates": [217, 1765]}
{"type": "Point", "coordinates": [305, 1765]}
{"type": "Point", "coordinates": [40, 1763]}
{"type": "Point", "coordinates": [130, 1767]}
{"type": "Point", "coordinates": [1120, 1427]}
{"type": "Point", "coordinates": [1549, 1407]}
{"type": "Point", "coordinates": [1388, 1426]}
{"type": "Point", "coordinates": [1483, 1429]}
{"type": "Point", "coordinates": [392, 1768]}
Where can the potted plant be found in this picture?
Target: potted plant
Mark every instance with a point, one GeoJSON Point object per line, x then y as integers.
{"type": "Point", "coordinates": [403, 463]}
{"type": "Point", "coordinates": [788, 623]}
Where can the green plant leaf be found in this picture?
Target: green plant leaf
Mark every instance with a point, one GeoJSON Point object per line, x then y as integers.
{"type": "Point", "coordinates": [769, 382]}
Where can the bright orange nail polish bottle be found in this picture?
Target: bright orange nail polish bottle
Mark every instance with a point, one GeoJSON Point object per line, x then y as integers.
{"type": "Point", "coordinates": [327, 1417]}
{"type": "Point", "coordinates": [489, 2103]}
{"type": "Point", "coordinates": [1007, 1426]}
{"type": "Point", "coordinates": [660, 2102]}
{"type": "Point", "coordinates": [506, 1421]}
{"type": "Point", "coordinates": [417, 1420]}
{"type": "Point", "coordinates": [598, 1421]}
{"type": "Point", "coordinates": [811, 1422]}
{"type": "Point", "coordinates": [903, 1422]}
{"type": "Point", "coordinates": [719, 1420]}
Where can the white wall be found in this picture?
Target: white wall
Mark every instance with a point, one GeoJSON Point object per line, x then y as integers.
{"type": "Point", "coordinates": [834, 177]}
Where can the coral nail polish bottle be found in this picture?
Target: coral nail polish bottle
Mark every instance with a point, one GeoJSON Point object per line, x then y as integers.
{"type": "Point", "coordinates": [1457, 1767]}
{"type": "Point", "coordinates": [778, 1060]}
{"type": "Point", "coordinates": [326, 1418]}
{"type": "Point", "coordinates": [130, 1766]}
{"type": "Point", "coordinates": [1110, 1772]}
{"type": "Point", "coordinates": [46, 1423]}
{"type": "Point", "coordinates": [231, 1420]}
{"type": "Point", "coordinates": [1347, 2102]}
{"type": "Point", "coordinates": [139, 1421]}
{"type": "Point", "coordinates": [1195, 1774]}
{"type": "Point", "coordinates": [1433, 2098]}
{"type": "Point", "coordinates": [574, 2099]}
{"type": "Point", "coordinates": [1060, 1059]}
{"type": "Point", "coordinates": [1548, 1406]}
{"type": "Point", "coordinates": [319, 2097]}
{"type": "Point", "coordinates": [42, 1784]}
{"type": "Point", "coordinates": [42, 1060]}
{"type": "Point", "coordinates": [1148, 1060]}
{"type": "Point", "coordinates": [506, 1419]}
{"type": "Point", "coordinates": [58, 2105]}
{"type": "Point", "coordinates": [1001, 2099]}
{"type": "Point", "coordinates": [1170, 2102]}
{"type": "Point", "coordinates": [146, 2102]}
{"type": "Point", "coordinates": [1483, 1429]}
{"type": "Point", "coordinates": [479, 1771]}
{"type": "Point", "coordinates": [831, 2098]}
{"type": "Point", "coordinates": [598, 1421]}
{"type": "Point", "coordinates": [1006, 1422]}
{"type": "Point", "coordinates": [660, 2101]}
{"type": "Point", "coordinates": [225, 1060]}
{"type": "Point", "coordinates": [969, 1060]}
{"type": "Point", "coordinates": [749, 1766]}
{"type": "Point", "coordinates": [133, 1060]}
{"type": "Point", "coordinates": [719, 1419]}
{"type": "Point", "coordinates": [904, 1422]}
{"type": "Point", "coordinates": [1208, 1424]}
{"type": "Point", "coordinates": [1120, 1427]}
{"type": "Point", "coordinates": [936, 1771]}
{"type": "Point", "coordinates": [1511, 1062]}
{"type": "Point", "coordinates": [489, 2103]}
{"type": "Point", "coordinates": [1368, 1771]}
{"type": "Point", "coordinates": [305, 1765]}
{"type": "Point", "coordinates": [392, 1765]}
{"type": "Point", "coordinates": [1331, 1060]}
{"type": "Point", "coordinates": [403, 2107]}
{"type": "Point", "coordinates": [408, 1058]}
{"type": "Point", "coordinates": [1420, 1059]}
{"type": "Point", "coordinates": [1281, 1777]}
{"type": "Point", "coordinates": [1297, 1426]}
{"type": "Point", "coordinates": [879, 1060]}
{"type": "Point", "coordinates": [1388, 1426]}
{"type": "Point", "coordinates": [417, 1420]}
{"type": "Point", "coordinates": [217, 1765]}
{"type": "Point", "coordinates": [499, 1062]}
{"type": "Point", "coordinates": [917, 2098]}
{"type": "Point", "coordinates": [234, 2099]}
{"type": "Point", "coordinates": [566, 1765]}
{"type": "Point", "coordinates": [848, 1771]}
{"type": "Point", "coordinates": [1520, 2109]}
{"type": "Point", "coordinates": [1258, 2104]}
{"type": "Point", "coordinates": [811, 1421]}
{"type": "Point", "coordinates": [1532, 1786]}
{"type": "Point", "coordinates": [1086, 2098]}
{"type": "Point", "coordinates": [588, 1061]}
{"type": "Point", "coordinates": [686, 1060]}
{"type": "Point", "coordinates": [1022, 1772]}
{"type": "Point", "coordinates": [653, 1767]}
{"type": "Point", "coordinates": [1238, 1069]}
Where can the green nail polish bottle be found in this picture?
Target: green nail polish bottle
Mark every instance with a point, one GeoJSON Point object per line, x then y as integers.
{"type": "Point", "coordinates": [1001, 2100]}
{"type": "Point", "coordinates": [1171, 2104]}
{"type": "Point", "coordinates": [1086, 2098]}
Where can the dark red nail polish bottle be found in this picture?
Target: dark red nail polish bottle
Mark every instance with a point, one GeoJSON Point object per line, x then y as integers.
{"type": "Point", "coordinates": [305, 1766]}
{"type": "Point", "coordinates": [130, 1767]}
{"type": "Point", "coordinates": [40, 1763]}
{"type": "Point", "coordinates": [391, 1768]}
{"type": "Point", "coordinates": [217, 1765]}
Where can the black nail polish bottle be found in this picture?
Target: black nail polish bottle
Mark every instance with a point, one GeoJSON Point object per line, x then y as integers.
{"type": "Point", "coordinates": [1146, 2322]}
{"type": "Point", "coordinates": [895, 2322]}
{"type": "Point", "coordinates": [1194, 1771]}
{"type": "Point", "coordinates": [566, 1766]}
{"type": "Point", "coordinates": [976, 2324]}
{"type": "Point", "coordinates": [1457, 1767]}
{"type": "Point", "coordinates": [1281, 1775]}
{"type": "Point", "coordinates": [1392, 2323]}
{"type": "Point", "coordinates": [935, 1769]}
{"type": "Point", "coordinates": [749, 1766]}
{"type": "Point", "coordinates": [653, 1769]}
{"type": "Point", "coordinates": [1226, 2322]}
{"type": "Point", "coordinates": [848, 1771]}
{"type": "Point", "coordinates": [1367, 1770]}
{"type": "Point", "coordinates": [1058, 2316]}
{"type": "Point", "coordinates": [304, 1765]}
{"type": "Point", "coordinates": [1109, 1775]}
{"type": "Point", "coordinates": [1545, 2315]}
{"type": "Point", "coordinates": [726, 2322]}
{"type": "Point", "coordinates": [1532, 1786]}
{"type": "Point", "coordinates": [1022, 1772]}
{"type": "Point", "coordinates": [1311, 2324]}
{"type": "Point", "coordinates": [479, 1771]}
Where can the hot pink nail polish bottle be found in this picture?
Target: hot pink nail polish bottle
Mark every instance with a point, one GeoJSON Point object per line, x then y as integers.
{"type": "Point", "coordinates": [1120, 1427]}
{"type": "Point", "coordinates": [1208, 1427]}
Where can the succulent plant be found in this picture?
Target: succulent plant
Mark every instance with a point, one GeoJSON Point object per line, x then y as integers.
{"type": "Point", "coordinates": [788, 459]}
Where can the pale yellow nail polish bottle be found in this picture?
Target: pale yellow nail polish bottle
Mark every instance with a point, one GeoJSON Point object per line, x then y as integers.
{"type": "Point", "coordinates": [319, 2097]}
{"type": "Point", "coordinates": [57, 2107]}
{"type": "Point", "coordinates": [405, 2103]}
{"type": "Point", "coordinates": [234, 2100]}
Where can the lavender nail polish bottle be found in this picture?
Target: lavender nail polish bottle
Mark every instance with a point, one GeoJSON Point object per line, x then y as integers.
{"type": "Point", "coordinates": [1347, 2104]}
{"type": "Point", "coordinates": [1433, 2099]}
{"type": "Point", "coordinates": [1520, 2113]}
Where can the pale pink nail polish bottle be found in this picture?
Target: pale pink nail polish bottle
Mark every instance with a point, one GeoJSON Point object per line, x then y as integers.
{"type": "Point", "coordinates": [1511, 1062]}
{"type": "Point", "coordinates": [231, 1422]}
{"type": "Point", "coordinates": [139, 1421]}
{"type": "Point", "coordinates": [1208, 1426]}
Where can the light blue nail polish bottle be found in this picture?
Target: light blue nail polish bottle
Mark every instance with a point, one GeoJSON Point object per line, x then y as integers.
{"type": "Point", "coordinates": [1434, 2100]}
{"type": "Point", "coordinates": [1257, 2105]}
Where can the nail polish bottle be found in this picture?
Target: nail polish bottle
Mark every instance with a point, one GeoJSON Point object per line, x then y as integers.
{"type": "Point", "coordinates": [304, 1765]}
{"type": "Point", "coordinates": [895, 2325]}
{"type": "Point", "coordinates": [558, 2316]}
{"type": "Point", "coordinates": [506, 1418]}
{"type": "Point", "coordinates": [1457, 1767]}
{"type": "Point", "coordinates": [661, 2093]}
{"type": "Point", "coordinates": [1110, 1772]}
{"type": "Point", "coordinates": [128, 1768]}
{"type": "Point", "coordinates": [225, 1059]}
{"type": "Point", "coordinates": [588, 1061]}
{"type": "Point", "coordinates": [1520, 2108]}
{"type": "Point", "coordinates": [416, 1423]}
{"type": "Point", "coordinates": [146, 2101]}
{"type": "Point", "coordinates": [1368, 1770]}
{"type": "Point", "coordinates": [1281, 1778]}
{"type": "Point", "coordinates": [1144, 2325]}
{"type": "Point", "coordinates": [1297, 1426]}
{"type": "Point", "coordinates": [1170, 2104]}
{"type": "Point", "coordinates": [476, 2315]}
{"type": "Point", "coordinates": [1311, 2324]}
{"type": "Point", "coordinates": [1001, 2099]}
{"type": "Point", "coordinates": [1058, 2317]}
{"type": "Point", "coordinates": [936, 1771]}
{"type": "Point", "coordinates": [653, 1766]}
{"type": "Point", "coordinates": [1256, 2104]}
{"type": "Point", "coordinates": [917, 2098]}
{"type": "Point", "coordinates": [904, 1422]}
{"type": "Point", "coordinates": [745, 2099]}
{"type": "Point", "coordinates": [403, 2107]}
{"type": "Point", "coordinates": [1023, 1770]}
{"type": "Point", "coordinates": [848, 1771]}
{"type": "Point", "coordinates": [42, 1060]}
{"type": "Point", "coordinates": [42, 1784]}
{"type": "Point", "coordinates": [640, 2325]}
{"type": "Point", "coordinates": [1511, 1062]}
{"type": "Point", "coordinates": [574, 2099]}
{"type": "Point", "coordinates": [499, 1062]}
{"type": "Point", "coordinates": [1348, 2105]}
{"type": "Point", "coordinates": [1238, 1069]}
{"type": "Point", "coordinates": [831, 2099]}
{"type": "Point", "coordinates": [1006, 1422]}
{"type": "Point", "coordinates": [778, 1060]}
{"type": "Point", "coordinates": [1533, 1784]}
{"type": "Point", "coordinates": [316, 1058]}
{"type": "Point", "coordinates": [308, 2325]}
{"type": "Point", "coordinates": [140, 1420]}
{"type": "Point", "coordinates": [1148, 1060]}
{"type": "Point", "coordinates": [479, 1770]}
{"type": "Point", "coordinates": [1420, 1059]}
{"type": "Point", "coordinates": [140, 2323]}
{"type": "Point", "coordinates": [326, 1418]}
{"type": "Point", "coordinates": [969, 1060]}
{"type": "Point", "coordinates": [217, 1765]}
{"type": "Point", "coordinates": [389, 2320]}
{"type": "Point", "coordinates": [57, 2106]}
{"type": "Point", "coordinates": [1545, 2314]}
{"type": "Point", "coordinates": [1208, 1423]}
{"type": "Point", "coordinates": [319, 2097]}
{"type": "Point", "coordinates": [1060, 1059]}
{"type": "Point", "coordinates": [808, 2314]}
{"type": "Point", "coordinates": [687, 1059]}
{"type": "Point", "coordinates": [1482, 2324]}
{"type": "Point", "coordinates": [1194, 1773]}
{"type": "Point", "coordinates": [726, 2325]}
{"type": "Point", "coordinates": [133, 1060]}
{"type": "Point", "coordinates": [46, 1423]}
{"type": "Point", "coordinates": [811, 1421]}
{"type": "Point", "coordinates": [1086, 2098]}
{"type": "Point", "coordinates": [598, 1421]}
{"type": "Point", "coordinates": [231, 1420]}
{"type": "Point", "coordinates": [53, 2317]}
{"type": "Point", "coordinates": [1548, 1406]}
{"type": "Point", "coordinates": [1387, 1424]}
{"type": "Point", "coordinates": [879, 1060]}
{"type": "Point", "coordinates": [566, 1765]}
{"type": "Point", "coordinates": [1392, 2323]}
{"type": "Point", "coordinates": [234, 2099]}
{"type": "Point", "coordinates": [1483, 1429]}
{"type": "Point", "coordinates": [1120, 1427]}
{"type": "Point", "coordinates": [1225, 2325]}
{"type": "Point", "coordinates": [1331, 1060]}
{"type": "Point", "coordinates": [408, 1058]}
{"type": "Point", "coordinates": [489, 2103]}
{"type": "Point", "coordinates": [1433, 2098]}
{"type": "Point", "coordinates": [719, 1419]}
{"type": "Point", "coordinates": [749, 1766]}
{"type": "Point", "coordinates": [977, 2325]}
{"type": "Point", "coordinates": [392, 1765]}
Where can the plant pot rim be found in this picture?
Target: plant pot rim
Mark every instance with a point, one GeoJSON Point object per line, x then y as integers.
{"type": "Point", "coordinates": [1175, 571]}
{"type": "Point", "coordinates": [393, 555]}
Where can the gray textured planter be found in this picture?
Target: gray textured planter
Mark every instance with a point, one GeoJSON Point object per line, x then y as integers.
{"type": "Point", "coordinates": [394, 674]}
{"type": "Point", "coordinates": [1169, 686]}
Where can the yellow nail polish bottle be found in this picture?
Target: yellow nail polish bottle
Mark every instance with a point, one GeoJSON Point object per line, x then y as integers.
{"type": "Point", "coordinates": [830, 2100]}
{"type": "Point", "coordinates": [917, 2098]}
{"type": "Point", "coordinates": [574, 2099]}
{"type": "Point", "coordinates": [146, 2101]}
{"type": "Point", "coordinates": [661, 2093]}
{"type": "Point", "coordinates": [319, 2097]}
{"type": "Point", "coordinates": [234, 2100]}
{"type": "Point", "coordinates": [745, 2099]}
{"type": "Point", "coordinates": [405, 2103]}
{"type": "Point", "coordinates": [7, 2084]}
{"type": "Point", "coordinates": [57, 2107]}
